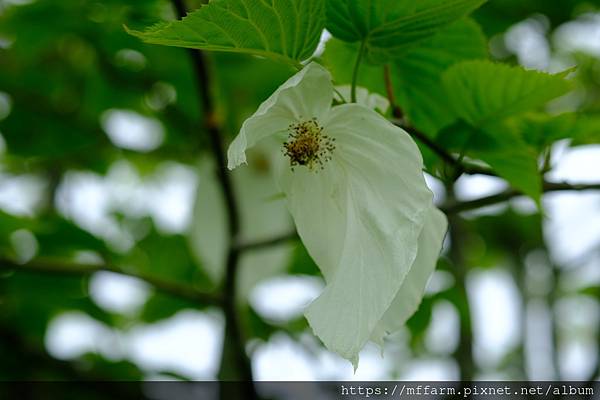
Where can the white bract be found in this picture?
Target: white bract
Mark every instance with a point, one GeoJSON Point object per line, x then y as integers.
{"type": "Point", "coordinates": [355, 188]}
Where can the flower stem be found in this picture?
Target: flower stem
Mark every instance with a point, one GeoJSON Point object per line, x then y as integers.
{"type": "Point", "coordinates": [389, 88]}
{"type": "Point", "coordinates": [359, 57]}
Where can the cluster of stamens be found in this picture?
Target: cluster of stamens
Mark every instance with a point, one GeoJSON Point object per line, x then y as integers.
{"type": "Point", "coordinates": [307, 145]}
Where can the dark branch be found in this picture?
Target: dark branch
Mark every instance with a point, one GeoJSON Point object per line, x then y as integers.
{"type": "Point", "coordinates": [460, 166]}
{"type": "Point", "coordinates": [48, 266]}
{"type": "Point", "coordinates": [233, 333]}
{"type": "Point", "coordinates": [456, 207]}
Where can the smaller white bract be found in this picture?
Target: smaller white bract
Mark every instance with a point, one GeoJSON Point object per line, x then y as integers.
{"type": "Point", "coordinates": [355, 188]}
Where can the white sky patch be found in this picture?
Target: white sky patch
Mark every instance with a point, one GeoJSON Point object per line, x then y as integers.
{"type": "Point", "coordinates": [432, 369]}
{"type": "Point", "coordinates": [2, 144]}
{"type": "Point", "coordinates": [578, 322]}
{"type": "Point", "coordinates": [437, 187]}
{"type": "Point", "coordinates": [577, 359]}
{"type": "Point", "coordinates": [90, 199]}
{"type": "Point", "coordinates": [130, 59]}
{"type": "Point", "coordinates": [285, 298]}
{"type": "Point", "coordinates": [5, 105]}
{"type": "Point", "coordinates": [170, 194]}
{"type": "Point", "coordinates": [118, 293]}
{"type": "Point", "coordinates": [188, 343]}
{"type": "Point", "coordinates": [470, 187]}
{"type": "Point", "coordinates": [84, 198]}
{"type": "Point", "coordinates": [527, 39]}
{"type": "Point", "coordinates": [24, 244]}
{"type": "Point", "coordinates": [283, 359]}
{"type": "Point", "coordinates": [538, 342]}
{"type": "Point", "coordinates": [21, 194]}
{"type": "Point", "coordinates": [572, 227]}
{"type": "Point", "coordinates": [494, 300]}
{"type": "Point", "coordinates": [439, 281]}
{"type": "Point", "coordinates": [583, 34]}
{"type": "Point", "coordinates": [73, 334]}
{"type": "Point", "coordinates": [577, 165]}
{"type": "Point", "coordinates": [443, 332]}
{"type": "Point", "coordinates": [130, 130]}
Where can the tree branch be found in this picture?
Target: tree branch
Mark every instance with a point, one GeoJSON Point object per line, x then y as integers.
{"type": "Point", "coordinates": [443, 154]}
{"type": "Point", "coordinates": [456, 207]}
{"type": "Point", "coordinates": [399, 120]}
{"type": "Point", "coordinates": [274, 241]}
{"type": "Point", "coordinates": [48, 266]}
{"type": "Point", "coordinates": [451, 207]}
{"type": "Point", "coordinates": [233, 334]}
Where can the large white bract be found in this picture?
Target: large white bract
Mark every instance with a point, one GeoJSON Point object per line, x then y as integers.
{"type": "Point", "coordinates": [355, 188]}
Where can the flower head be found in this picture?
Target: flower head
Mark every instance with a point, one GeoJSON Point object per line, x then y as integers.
{"type": "Point", "coordinates": [355, 188]}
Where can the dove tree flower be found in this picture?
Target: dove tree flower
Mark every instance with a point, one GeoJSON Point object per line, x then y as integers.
{"type": "Point", "coordinates": [354, 186]}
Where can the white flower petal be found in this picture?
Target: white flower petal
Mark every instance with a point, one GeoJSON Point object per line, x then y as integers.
{"type": "Point", "coordinates": [411, 292]}
{"type": "Point", "coordinates": [305, 95]}
{"type": "Point", "coordinates": [374, 101]}
{"type": "Point", "coordinates": [360, 219]}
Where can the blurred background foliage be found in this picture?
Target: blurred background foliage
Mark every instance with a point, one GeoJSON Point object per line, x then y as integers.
{"type": "Point", "coordinates": [102, 150]}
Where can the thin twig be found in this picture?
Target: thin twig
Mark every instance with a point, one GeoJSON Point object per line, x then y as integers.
{"type": "Point", "coordinates": [443, 154]}
{"type": "Point", "coordinates": [458, 164]}
{"type": "Point", "coordinates": [456, 207]}
{"type": "Point", "coordinates": [274, 241]}
{"type": "Point", "coordinates": [389, 89]}
{"type": "Point", "coordinates": [61, 267]}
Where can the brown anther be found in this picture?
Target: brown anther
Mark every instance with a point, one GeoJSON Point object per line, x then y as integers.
{"type": "Point", "coordinates": [307, 145]}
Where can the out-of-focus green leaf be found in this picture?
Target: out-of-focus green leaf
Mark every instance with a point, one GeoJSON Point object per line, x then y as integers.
{"type": "Point", "coordinates": [286, 31]}
{"type": "Point", "coordinates": [167, 257]}
{"type": "Point", "coordinates": [512, 233]}
{"type": "Point", "coordinates": [30, 300]}
{"type": "Point", "coordinates": [540, 130]}
{"type": "Point", "coordinates": [162, 306]}
{"type": "Point", "coordinates": [390, 27]}
{"type": "Point", "coordinates": [585, 130]}
{"type": "Point", "coordinates": [497, 16]}
{"type": "Point", "coordinates": [302, 263]}
{"type": "Point", "coordinates": [59, 237]}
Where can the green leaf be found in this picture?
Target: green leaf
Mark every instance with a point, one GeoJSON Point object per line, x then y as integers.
{"type": "Point", "coordinates": [390, 27]}
{"type": "Point", "coordinates": [541, 130]}
{"type": "Point", "coordinates": [284, 30]}
{"type": "Point", "coordinates": [586, 130]}
{"type": "Point", "coordinates": [483, 91]}
{"type": "Point", "coordinates": [417, 77]}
